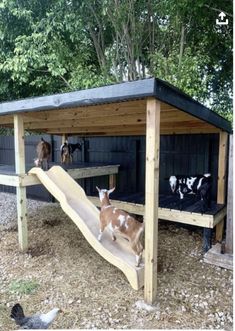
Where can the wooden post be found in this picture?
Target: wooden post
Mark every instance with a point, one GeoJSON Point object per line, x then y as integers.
{"type": "Point", "coordinates": [112, 180]}
{"type": "Point", "coordinates": [222, 163]}
{"type": "Point", "coordinates": [20, 191]}
{"type": "Point", "coordinates": [229, 222]}
{"type": "Point", "coordinates": [63, 139]}
{"type": "Point", "coordinates": [151, 198]}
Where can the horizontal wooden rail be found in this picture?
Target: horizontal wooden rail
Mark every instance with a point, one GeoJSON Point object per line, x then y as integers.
{"type": "Point", "coordinates": [76, 173]}
{"type": "Point", "coordinates": [202, 220]}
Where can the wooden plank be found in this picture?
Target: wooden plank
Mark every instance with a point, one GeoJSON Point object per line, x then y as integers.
{"type": "Point", "coordinates": [116, 109]}
{"type": "Point", "coordinates": [202, 220]}
{"type": "Point", "coordinates": [7, 119]}
{"type": "Point", "coordinates": [124, 131]}
{"type": "Point", "coordinates": [229, 220]}
{"type": "Point", "coordinates": [222, 162]}
{"type": "Point", "coordinates": [130, 207]}
{"type": "Point", "coordinates": [20, 191]}
{"type": "Point", "coordinates": [184, 217]}
{"type": "Point", "coordinates": [199, 130]}
{"type": "Point", "coordinates": [151, 198]}
{"type": "Point", "coordinates": [31, 179]}
{"type": "Point", "coordinates": [219, 216]}
{"type": "Point", "coordinates": [112, 181]}
{"type": "Point", "coordinates": [215, 257]}
{"type": "Point", "coordinates": [9, 180]}
{"type": "Point", "coordinates": [133, 119]}
{"type": "Point", "coordinates": [93, 172]}
{"type": "Point", "coordinates": [99, 131]}
{"type": "Point", "coordinates": [63, 138]}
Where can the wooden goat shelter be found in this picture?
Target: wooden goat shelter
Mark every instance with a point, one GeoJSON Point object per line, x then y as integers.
{"type": "Point", "coordinates": [148, 107]}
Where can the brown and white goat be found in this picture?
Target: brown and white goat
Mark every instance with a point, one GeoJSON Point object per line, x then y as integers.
{"type": "Point", "coordinates": [43, 152]}
{"type": "Point", "coordinates": [119, 221]}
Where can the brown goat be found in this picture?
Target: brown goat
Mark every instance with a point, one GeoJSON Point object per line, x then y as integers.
{"type": "Point", "coordinates": [121, 222]}
{"type": "Point", "coordinates": [43, 152]}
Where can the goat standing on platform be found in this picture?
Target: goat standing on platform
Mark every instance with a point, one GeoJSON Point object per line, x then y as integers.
{"type": "Point", "coordinates": [67, 150]}
{"type": "Point", "coordinates": [198, 185]}
{"type": "Point", "coordinates": [121, 222]}
{"type": "Point", "coordinates": [43, 152]}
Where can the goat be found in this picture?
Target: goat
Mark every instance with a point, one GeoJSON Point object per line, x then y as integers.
{"type": "Point", "coordinates": [119, 221]}
{"type": "Point", "coordinates": [43, 152]}
{"type": "Point", "coordinates": [198, 185]}
{"type": "Point", "coordinates": [67, 150]}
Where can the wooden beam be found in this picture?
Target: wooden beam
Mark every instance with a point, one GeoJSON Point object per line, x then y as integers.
{"type": "Point", "coordinates": [214, 256]}
{"type": "Point", "coordinates": [93, 171]}
{"type": "Point", "coordinates": [229, 221]}
{"type": "Point", "coordinates": [184, 217]}
{"type": "Point", "coordinates": [115, 109]}
{"type": "Point", "coordinates": [102, 130]}
{"type": "Point", "coordinates": [222, 163]}
{"type": "Point", "coordinates": [219, 216]}
{"type": "Point", "coordinates": [9, 180]}
{"type": "Point", "coordinates": [63, 138]}
{"type": "Point", "coordinates": [130, 207]}
{"type": "Point", "coordinates": [151, 198]}
{"type": "Point", "coordinates": [112, 181]}
{"type": "Point", "coordinates": [97, 121]}
{"type": "Point", "coordinates": [20, 191]}
{"type": "Point", "coordinates": [131, 130]}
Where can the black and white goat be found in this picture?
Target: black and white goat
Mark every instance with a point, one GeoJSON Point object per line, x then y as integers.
{"type": "Point", "coordinates": [200, 185]}
{"type": "Point", "coordinates": [67, 150]}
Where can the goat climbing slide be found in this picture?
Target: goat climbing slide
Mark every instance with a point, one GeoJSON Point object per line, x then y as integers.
{"type": "Point", "coordinates": [85, 215]}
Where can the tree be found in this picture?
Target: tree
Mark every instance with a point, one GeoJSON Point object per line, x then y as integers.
{"type": "Point", "coordinates": [50, 46]}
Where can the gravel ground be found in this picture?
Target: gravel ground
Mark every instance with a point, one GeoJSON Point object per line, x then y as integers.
{"type": "Point", "coordinates": [93, 294]}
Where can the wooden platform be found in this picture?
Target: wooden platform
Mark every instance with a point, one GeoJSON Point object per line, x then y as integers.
{"type": "Point", "coordinates": [133, 203]}
{"type": "Point", "coordinates": [9, 177]}
{"type": "Point", "coordinates": [169, 209]}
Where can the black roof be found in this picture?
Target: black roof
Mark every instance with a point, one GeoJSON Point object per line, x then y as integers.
{"type": "Point", "coordinates": [139, 89]}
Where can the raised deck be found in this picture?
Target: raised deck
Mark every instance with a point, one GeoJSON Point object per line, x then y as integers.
{"type": "Point", "coordinates": [133, 203]}
{"type": "Point", "coordinates": [9, 177]}
{"type": "Point", "coordinates": [169, 209]}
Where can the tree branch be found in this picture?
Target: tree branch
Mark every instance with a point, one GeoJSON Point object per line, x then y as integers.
{"type": "Point", "coordinates": [218, 10]}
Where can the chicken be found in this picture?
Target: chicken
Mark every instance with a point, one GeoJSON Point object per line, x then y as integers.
{"type": "Point", "coordinates": [37, 321]}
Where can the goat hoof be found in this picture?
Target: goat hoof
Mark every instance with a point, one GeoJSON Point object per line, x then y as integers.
{"type": "Point", "coordinates": [114, 238]}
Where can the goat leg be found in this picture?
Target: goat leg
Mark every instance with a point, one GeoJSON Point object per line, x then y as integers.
{"type": "Point", "coordinates": [100, 235]}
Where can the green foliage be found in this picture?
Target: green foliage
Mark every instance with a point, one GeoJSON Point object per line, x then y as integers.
{"type": "Point", "coordinates": [50, 46]}
{"type": "Point", "coordinates": [23, 286]}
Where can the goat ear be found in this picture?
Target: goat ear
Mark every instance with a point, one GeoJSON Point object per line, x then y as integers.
{"type": "Point", "coordinates": [111, 190]}
{"type": "Point", "coordinates": [97, 188]}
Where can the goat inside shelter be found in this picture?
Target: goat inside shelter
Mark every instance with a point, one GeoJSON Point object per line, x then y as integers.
{"type": "Point", "coordinates": [200, 185]}
{"type": "Point", "coordinates": [43, 154]}
{"type": "Point", "coordinates": [66, 151]}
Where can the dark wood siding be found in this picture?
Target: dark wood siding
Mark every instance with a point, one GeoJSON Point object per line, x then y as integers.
{"type": "Point", "coordinates": [180, 154]}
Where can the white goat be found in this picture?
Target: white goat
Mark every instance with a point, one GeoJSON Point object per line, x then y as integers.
{"type": "Point", "coordinates": [121, 222]}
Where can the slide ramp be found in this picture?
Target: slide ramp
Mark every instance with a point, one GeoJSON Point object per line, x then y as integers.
{"type": "Point", "coordinates": [85, 215]}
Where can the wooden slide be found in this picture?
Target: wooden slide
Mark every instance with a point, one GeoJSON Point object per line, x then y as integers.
{"type": "Point", "coordinates": [85, 215]}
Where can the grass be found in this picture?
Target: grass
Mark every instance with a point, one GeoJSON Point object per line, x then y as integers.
{"type": "Point", "coordinates": [23, 286]}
